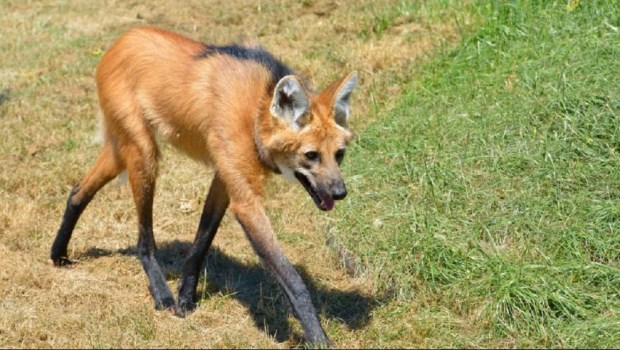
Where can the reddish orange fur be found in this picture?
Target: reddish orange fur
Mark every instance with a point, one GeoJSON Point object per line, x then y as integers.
{"type": "Point", "coordinates": [150, 81]}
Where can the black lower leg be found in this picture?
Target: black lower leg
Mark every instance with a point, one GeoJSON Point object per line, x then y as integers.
{"type": "Point", "coordinates": [294, 288]}
{"type": "Point", "coordinates": [299, 298]}
{"type": "Point", "coordinates": [301, 303]}
{"type": "Point", "coordinates": [157, 283]}
{"type": "Point", "coordinates": [70, 218]}
{"type": "Point", "coordinates": [214, 209]}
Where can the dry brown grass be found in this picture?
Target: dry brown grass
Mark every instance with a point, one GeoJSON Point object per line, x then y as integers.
{"type": "Point", "coordinates": [49, 51]}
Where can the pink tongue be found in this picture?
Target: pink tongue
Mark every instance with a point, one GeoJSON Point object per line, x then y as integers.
{"type": "Point", "coordinates": [328, 203]}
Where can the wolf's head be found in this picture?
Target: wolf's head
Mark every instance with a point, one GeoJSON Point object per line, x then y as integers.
{"type": "Point", "coordinates": [306, 134]}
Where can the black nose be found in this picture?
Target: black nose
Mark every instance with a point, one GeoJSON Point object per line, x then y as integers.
{"type": "Point", "coordinates": [339, 190]}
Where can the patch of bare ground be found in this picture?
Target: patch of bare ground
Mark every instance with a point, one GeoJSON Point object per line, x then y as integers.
{"type": "Point", "coordinates": [47, 112]}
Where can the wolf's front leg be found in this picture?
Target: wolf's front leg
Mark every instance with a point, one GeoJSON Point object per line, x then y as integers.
{"type": "Point", "coordinates": [251, 215]}
{"type": "Point", "coordinates": [212, 214]}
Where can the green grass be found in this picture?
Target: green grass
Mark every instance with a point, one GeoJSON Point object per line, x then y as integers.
{"type": "Point", "coordinates": [492, 192]}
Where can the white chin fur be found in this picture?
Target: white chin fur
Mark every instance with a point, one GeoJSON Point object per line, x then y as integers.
{"type": "Point", "coordinates": [288, 173]}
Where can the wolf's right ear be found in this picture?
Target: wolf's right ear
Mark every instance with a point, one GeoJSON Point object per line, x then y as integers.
{"type": "Point", "coordinates": [290, 102]}
{"type": "Point", "coordinates": [342, 100]}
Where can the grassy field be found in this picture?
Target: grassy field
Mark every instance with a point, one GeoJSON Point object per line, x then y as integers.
{"type": "Point", "coordinates": [484, 203]}
{"type": "Point", "coordinates": [491, 193]}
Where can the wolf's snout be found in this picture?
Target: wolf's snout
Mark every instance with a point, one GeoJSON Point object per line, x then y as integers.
{"type": "Point", "coordinates": [339, 190]}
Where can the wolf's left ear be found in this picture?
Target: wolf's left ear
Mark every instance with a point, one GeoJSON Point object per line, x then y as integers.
{"type": "Point", "coordinates": [342, 99]}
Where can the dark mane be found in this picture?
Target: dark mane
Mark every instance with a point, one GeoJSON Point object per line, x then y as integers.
{"type": "Point", "coordinates": [257, 54]}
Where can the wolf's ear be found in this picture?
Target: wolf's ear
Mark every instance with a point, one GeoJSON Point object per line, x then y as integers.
{"type": "Point", "coordinates": [290, 102]}
{"type": "Point", "coordinates": [342, 99]}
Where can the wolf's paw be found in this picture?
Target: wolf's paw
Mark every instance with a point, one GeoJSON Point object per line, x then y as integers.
{"type": "Point", "coordinates": [185, 307]}
{"type": "Point", "coordinates": [62, 261]}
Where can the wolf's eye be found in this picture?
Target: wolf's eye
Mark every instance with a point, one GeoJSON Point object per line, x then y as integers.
{"type": "Point", "coordinates": [340, 155]}
{"type": "Point", "coordinates": [312, 156]}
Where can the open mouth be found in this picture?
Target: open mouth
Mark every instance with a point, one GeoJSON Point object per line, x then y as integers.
{"type": "Point", "coordinates": [322, 200]}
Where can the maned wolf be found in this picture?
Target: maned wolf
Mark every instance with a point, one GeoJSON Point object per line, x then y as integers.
{"type": "Point", "coordinates": [236, 108]}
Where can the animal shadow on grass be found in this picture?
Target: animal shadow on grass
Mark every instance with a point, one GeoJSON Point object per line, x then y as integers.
{"type": "Point", "coordinates": [253, 286]}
